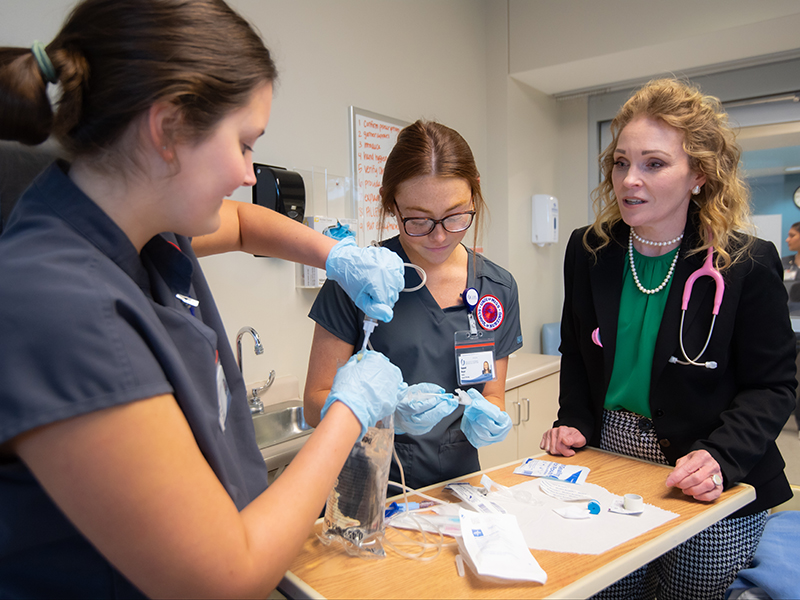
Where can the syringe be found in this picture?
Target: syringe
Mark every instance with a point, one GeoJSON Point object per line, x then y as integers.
{"type": "Point", "coordinates": [463, 397]}
{"type": "Point", "coordinates": [460, 396]}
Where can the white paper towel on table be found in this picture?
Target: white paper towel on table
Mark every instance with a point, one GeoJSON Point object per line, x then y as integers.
{"type": "Point", "coordinates": [543, 529]}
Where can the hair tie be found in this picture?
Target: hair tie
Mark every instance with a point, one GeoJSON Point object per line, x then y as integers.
{"type": "Point", "coordinates": [44, 62]}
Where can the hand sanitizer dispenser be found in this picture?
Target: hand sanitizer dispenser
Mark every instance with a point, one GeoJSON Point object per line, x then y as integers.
{"type": "Point", "coordinates": [545, 219]}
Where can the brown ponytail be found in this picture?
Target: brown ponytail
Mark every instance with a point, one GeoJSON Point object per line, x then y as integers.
{"type": "Point", "coordinates": [25, 112]}
{"type": "Point", "coordinates": [115, 58]}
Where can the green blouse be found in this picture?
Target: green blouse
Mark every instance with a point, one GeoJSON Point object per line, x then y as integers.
{"type": "Point", "coordinates": [639, 321]}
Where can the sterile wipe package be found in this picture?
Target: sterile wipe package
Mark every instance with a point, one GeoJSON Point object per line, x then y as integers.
{"type": "Point", "coordinates": [533, 467]}
{"type": "Point", "coordinates": [493, 547]}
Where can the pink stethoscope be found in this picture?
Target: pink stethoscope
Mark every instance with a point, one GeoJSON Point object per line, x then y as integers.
{"type": "Point", "coordinates": [706, 269]}
{"type": "Point", "coordinates": [709, 270]}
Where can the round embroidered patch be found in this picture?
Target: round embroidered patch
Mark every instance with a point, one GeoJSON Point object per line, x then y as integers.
{"type": "Point", "coordinates": [489, 312]}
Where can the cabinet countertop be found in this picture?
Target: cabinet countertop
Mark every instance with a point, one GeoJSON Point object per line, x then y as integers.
{"type": "Point", "coordinates": [524, 367]}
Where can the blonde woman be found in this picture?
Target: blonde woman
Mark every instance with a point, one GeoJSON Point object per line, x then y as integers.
{"type": "Point", "coordinates": [639, 378]}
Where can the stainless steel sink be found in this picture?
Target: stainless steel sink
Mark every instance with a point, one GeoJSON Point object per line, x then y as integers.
{"type": "Point", "coordinates": [280, 423]}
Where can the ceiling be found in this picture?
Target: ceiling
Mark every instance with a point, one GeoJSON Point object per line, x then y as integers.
{"type": "Point", "coordinates": [577, 46]}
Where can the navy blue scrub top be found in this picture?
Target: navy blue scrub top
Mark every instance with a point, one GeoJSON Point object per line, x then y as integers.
{"type": "Point", "coordinates": [87, 323]}
{"type": "Point", "coordinates": [420, 341]}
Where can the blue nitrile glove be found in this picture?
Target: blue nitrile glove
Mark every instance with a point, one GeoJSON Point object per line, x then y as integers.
{"type": "Point", "coordinates": [339, 231]}
{"type": "Point", "coordinates": [422, 406]}
{"type": "Point", "coordinates": [371, 276]}
{"type": "Point", "coordinates": [369, 385]}
{"type": "Point", "coordinates": [483, 423]}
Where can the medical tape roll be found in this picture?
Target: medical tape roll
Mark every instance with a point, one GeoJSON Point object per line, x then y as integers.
{"type": "Point", "coordinates": [633, 502]}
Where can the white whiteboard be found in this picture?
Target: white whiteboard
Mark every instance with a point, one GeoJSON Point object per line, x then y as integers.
{"type": "Point", "coordinates": [373, 137]}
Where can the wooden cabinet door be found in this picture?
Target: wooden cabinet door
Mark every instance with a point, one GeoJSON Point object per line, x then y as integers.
{"type": "Point", "coordinates": [539, 408]}
{"type": "Point", "coordinates": [506, 451]}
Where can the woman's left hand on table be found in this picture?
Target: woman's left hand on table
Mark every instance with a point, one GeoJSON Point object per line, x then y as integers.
{"type": "Point", "coordinates": [562, 440]}
{"type": "Point", "coordinates": [695, 474]}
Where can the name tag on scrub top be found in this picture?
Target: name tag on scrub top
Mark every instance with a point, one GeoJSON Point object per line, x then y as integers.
{"type": "Point", "coordinates": [474, 348]}
{"type": "Point", "coordinates": [474, 357]}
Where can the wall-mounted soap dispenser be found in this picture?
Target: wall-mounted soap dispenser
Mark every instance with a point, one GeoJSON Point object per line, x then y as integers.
{"type": "Point", "coordinates": [281, 190]}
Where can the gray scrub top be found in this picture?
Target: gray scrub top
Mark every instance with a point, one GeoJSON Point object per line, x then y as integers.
{"type": "Point", "coordinates": [87, 323]}
{"type": "Point", "coordinates": [420, 341]}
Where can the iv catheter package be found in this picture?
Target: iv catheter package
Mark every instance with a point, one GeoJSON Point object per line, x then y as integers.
{"type": "Point", "coordinates": [354, 514]}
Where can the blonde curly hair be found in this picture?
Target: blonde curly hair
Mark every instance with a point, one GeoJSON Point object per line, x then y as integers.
{"type": "Point", "coordinates": [724, 199]}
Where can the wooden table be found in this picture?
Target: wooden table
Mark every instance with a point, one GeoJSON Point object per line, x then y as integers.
{"type": "Point", "coordinates": [328, 572]}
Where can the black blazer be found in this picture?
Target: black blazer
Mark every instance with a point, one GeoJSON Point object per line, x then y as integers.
{"type": "Point", "coordinates": [735, 411]}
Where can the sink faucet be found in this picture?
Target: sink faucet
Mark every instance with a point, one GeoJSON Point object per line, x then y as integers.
{"type": "Point", "coordinates": [256, 405]}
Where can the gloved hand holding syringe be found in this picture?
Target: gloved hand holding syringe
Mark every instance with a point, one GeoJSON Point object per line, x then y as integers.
{"type": "Point", "coordinates": [425, 404]}
{"type": "Point", "coordinates": [415, 392]}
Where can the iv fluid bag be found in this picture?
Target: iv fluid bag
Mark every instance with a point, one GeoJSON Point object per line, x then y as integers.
{"type": "Point", "coordinates": [354, 513]}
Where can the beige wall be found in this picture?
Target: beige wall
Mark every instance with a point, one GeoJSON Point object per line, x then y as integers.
{"type": "Point", "coordinates": [396, 58]}
{"type": "Point", "coordinates": [547, 154]}
{"type": "Point", "coordinates": [393, 58]}
{"type": "Point", "coordinates": [537, 145]}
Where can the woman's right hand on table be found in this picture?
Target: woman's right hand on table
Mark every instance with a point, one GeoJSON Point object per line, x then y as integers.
{"type": "Point", "coordinates": [560, 441]}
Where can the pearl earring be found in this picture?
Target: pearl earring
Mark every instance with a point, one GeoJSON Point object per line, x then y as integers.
{"type": "Point", "coordinates": [695, 190]}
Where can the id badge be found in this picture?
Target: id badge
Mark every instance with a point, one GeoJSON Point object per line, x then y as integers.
{"type": "Point", "coordinates": [474, 357]}
{"type": "Point", "coordinates": [223, 396]}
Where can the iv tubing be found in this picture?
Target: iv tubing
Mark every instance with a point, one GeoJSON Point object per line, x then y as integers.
{"type": "Point", "coordinates": [424, 544]}
{"type": "Point", "coordinates": [369, 327]}
{"type": "Point", "coordinates": [422, 275]}
{"type": "Point", "coordinates": [405, 488]}
{"type": "Point", "coordinates": [419, 270]}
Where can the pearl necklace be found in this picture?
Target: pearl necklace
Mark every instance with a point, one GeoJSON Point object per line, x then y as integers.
{"type": "Point", "coordinates": [649, 243]}
{"type": "Point", "coordinates": [643, 289]}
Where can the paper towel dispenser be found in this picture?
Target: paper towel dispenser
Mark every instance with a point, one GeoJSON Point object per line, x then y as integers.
{"type": "Point", "coordinates": [280, 190]}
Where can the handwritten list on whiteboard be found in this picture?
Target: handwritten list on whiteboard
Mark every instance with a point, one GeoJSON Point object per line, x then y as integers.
{"type": "Point", "coordinates": [374, 137]}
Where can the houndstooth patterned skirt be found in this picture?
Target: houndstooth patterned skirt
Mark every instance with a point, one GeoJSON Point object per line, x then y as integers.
{"type": "Point", "coordinates": [701, 568]}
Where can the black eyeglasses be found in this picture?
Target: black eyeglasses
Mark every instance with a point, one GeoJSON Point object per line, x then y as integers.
{"type": "Point", "coordinates": [420, 226]}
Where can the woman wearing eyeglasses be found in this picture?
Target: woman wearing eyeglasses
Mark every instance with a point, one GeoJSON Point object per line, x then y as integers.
{"type": "Point", "coordinates": [431, 187]}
